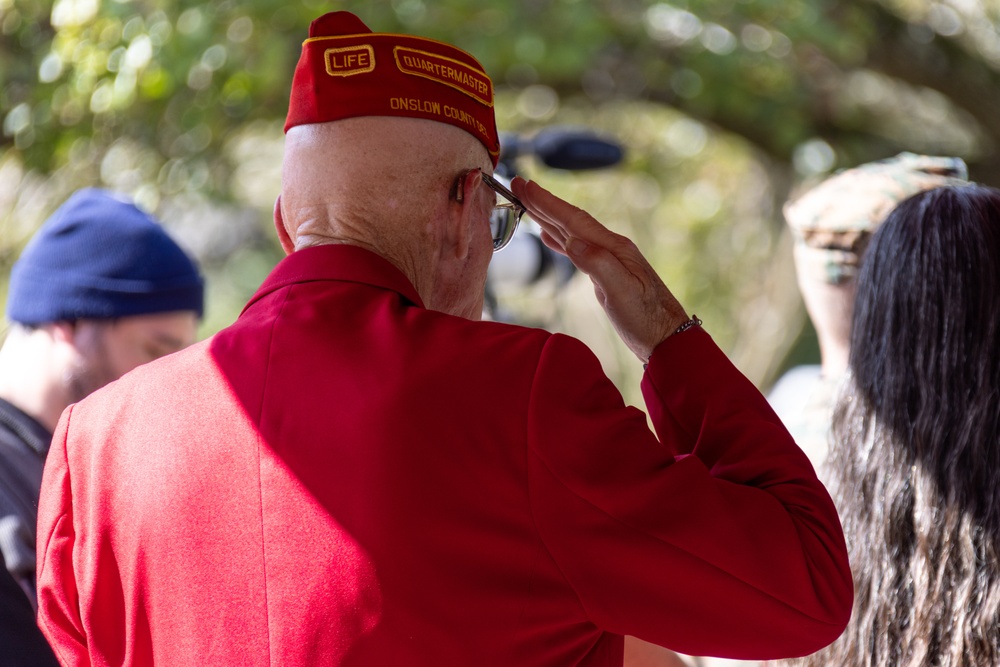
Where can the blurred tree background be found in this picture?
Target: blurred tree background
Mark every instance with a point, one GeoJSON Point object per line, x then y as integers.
{"type": "Point", "coordinates": [724, 107]}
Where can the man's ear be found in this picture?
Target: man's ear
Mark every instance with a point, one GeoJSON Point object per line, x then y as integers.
{"type": "Point", "coordinates": [63, 332]}
{"type": "Point", "coordinates": [69, 335]}
{"type": "Point", "coordinates": [460, 228]}
{"type": "Point", "coordinates": [279, 226]}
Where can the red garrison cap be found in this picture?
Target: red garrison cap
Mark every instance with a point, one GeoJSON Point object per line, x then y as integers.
{"type": "Point", "coordinates": [346, 70]}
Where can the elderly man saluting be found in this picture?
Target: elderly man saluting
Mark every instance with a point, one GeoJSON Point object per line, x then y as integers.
{"type": "Point", "coordinates": [360, 472]}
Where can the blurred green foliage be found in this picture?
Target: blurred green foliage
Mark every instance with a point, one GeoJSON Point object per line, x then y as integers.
{"type": "Point", "coordinates": [723, 107]}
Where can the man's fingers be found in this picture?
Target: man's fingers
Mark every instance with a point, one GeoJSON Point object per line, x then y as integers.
{"type": "Point", "coordinates": [553, 241]}
{"type": "Point", "coordinates": [569, 230]}
{"type": "Point", "coordinates": [550, 211]}
{"type": "Point", "coordinates": [556, 233]}
{"type": "Point", "coordinates": [593, 261]}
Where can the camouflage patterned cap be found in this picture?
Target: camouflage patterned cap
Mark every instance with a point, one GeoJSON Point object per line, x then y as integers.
{"type": "Point", "coordinates": [833, 221]}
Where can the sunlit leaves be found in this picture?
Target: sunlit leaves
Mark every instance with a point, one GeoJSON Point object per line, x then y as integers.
{"type": "Point", "coordinates": [165, 74]}
{"type": "Point", "coordinates": [182, 100]}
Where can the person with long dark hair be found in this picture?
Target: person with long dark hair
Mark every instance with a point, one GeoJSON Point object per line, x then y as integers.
{"type": "Point", "coordinates": [914, 463]}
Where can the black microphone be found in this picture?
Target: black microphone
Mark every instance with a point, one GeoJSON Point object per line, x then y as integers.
{"type": "Point", "coordinates": [560, 147]}
{"type": "Point", "coordinates": [575, 149]}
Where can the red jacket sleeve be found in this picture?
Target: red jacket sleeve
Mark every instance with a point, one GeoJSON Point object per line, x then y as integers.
{"type": "Point", "coordinates": [715, 538]}
{"type": "Point", "coordinates": [58, 601]}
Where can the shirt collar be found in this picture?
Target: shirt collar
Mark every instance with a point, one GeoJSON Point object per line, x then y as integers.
{"type": "Point", "coordinates": [337, 261]}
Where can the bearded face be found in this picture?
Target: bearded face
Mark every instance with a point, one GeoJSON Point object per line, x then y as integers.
{"type": "Point", "coordinates": [107, 349]}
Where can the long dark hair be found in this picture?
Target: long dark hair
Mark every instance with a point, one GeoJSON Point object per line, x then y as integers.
{"type": "Point", "coordinates": [914, 463]}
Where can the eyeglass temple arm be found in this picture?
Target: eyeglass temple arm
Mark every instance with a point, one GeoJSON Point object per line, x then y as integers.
{"type": "Point", "coordinates": [501, 188]}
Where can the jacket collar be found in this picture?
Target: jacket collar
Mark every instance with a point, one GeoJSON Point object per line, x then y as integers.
{"type": "Point", "coordinates": [29, 431]}
{"type": "Point", "coordinates": [337, 262]}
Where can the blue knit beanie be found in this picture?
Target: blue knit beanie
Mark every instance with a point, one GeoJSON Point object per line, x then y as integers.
{"type": "Point", "coordinates": [100, 257]}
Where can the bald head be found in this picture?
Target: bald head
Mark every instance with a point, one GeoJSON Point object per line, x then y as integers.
{"type": "Point", "coordinates": [374, 180]}
{"type": "Point", "coordinates": [388, 184]}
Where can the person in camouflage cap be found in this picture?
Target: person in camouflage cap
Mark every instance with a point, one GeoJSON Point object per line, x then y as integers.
{"type": "Point", "coordinates": [832, 223]}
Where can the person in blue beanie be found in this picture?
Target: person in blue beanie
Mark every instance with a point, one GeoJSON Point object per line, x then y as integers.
{"type": "Point", "coordinates": [100, 289]}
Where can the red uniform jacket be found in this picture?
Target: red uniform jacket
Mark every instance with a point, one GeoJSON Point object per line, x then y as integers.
{"type": "Point", "coordinates": [343, 477]}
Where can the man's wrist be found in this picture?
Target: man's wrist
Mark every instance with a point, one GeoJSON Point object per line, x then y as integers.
{"type": "Point", "coordinates": [692, 323]}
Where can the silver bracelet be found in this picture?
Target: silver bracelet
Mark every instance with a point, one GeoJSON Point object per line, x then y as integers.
{"type": "Point", "coordinates": [693, 322]}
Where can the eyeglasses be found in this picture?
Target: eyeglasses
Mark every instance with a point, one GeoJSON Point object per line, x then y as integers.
{"type": "Point", "coordinates": [506, 214]}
